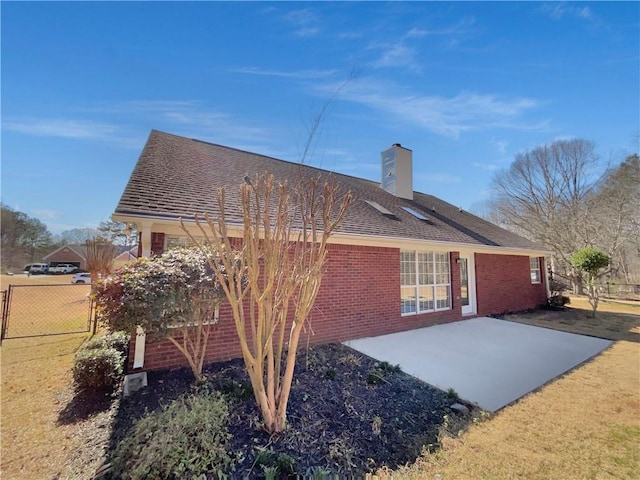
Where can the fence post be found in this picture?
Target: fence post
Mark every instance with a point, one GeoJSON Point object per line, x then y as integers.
{"type": "Point", "coordinates": [6, 301]}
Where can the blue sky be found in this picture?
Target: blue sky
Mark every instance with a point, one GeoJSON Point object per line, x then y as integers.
{"type": "Point", "coordinates": [465, 85]}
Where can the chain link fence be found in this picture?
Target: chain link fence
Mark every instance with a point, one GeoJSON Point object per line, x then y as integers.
{"type": "Point", "coordinates": [620, 291]}
{"type": "Point", "coordinates": [38, 310]}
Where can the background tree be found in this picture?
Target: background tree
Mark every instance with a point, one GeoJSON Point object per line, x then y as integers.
{"type": "Point", "coordinates": [554, 195]}
{"type": "Point", "coordinates": [174, 296]}
{"type": "Point", "coordinates": [274, 275]}
{"type": "Point", "coordinates": [614, 218]}
{"type": "Point", "coordinates": [24, 238]}
{"type": "Point", "coordinates": [76, 236]}
{"type": "Point", "coordinates": [591, 261]}
{"type": "Point", "coordinates": [119, 233]}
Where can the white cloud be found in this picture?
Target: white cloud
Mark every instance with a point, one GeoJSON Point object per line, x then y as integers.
{"type": "Point", "coordinates": [307, 32]}
{"type": "Point", "coordinates": [59, 127]}
{"type": "Point", "coordinates": [305, 22]}
{"type": "Point", "coordinates": [295, 74]}
{"type": "Point", "coordinates": [560, 9]}
{"type": "Point", "coordinates": [45, 213]}
{"type": "Point", "coordinates": [416, 33]}
{"type": "Point", "coordinates": [446, 116]}
{"type": "Point", "coordinates": [500, 145]}
{"type": "Point", "coordinates": [486, 166]}
{"type": "Point", "coordinates": [396, 55]}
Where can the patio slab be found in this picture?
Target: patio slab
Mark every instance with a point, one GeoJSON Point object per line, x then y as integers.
{"type": "Point", "coordinates": [487, 361]}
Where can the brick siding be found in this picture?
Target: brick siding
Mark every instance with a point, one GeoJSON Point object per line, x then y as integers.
{"type": "Point", "coordinates": [503, 284]}
{"type": "Point", "coordinates": [360, 297]}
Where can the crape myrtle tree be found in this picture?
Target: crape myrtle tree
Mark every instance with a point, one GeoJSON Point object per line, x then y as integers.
{"type": "Point", "coordinates": [101, 254]}
{"type": "Point", "coordinates": [274, 274]}
{"type": "Point", "coordinates": [173, 296]}
{"type": "Point", "coordinates": [591, 261]}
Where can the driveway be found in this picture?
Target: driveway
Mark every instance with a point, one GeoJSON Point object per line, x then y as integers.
{"type": "Point", "coordinates": [487, 361]}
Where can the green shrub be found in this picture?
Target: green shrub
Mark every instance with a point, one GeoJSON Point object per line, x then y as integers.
{"type": "Point", "coordinates": [189, 437]}
{"type": "Point", "coordinates": [97, 367]}
{"type": "Point", "coordinates": [117, 340]}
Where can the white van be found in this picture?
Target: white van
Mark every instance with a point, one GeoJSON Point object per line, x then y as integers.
{"type": "Point", "coordinates": [38, 268]}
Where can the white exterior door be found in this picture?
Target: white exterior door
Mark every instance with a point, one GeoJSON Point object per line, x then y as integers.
{"type": "Point", "coordinates": [467, 283]}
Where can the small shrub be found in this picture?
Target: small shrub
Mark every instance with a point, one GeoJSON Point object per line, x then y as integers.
{"type": "Point", "coordinates": [331, 374]}
{"type": "Point", "coordinates": [317, 473]}
{"type": "Point", "coordinates": [270, 473]}
{"type": "Point", "coordinates": [275, 464]}
{"type": "Point", "coordinates": [97, 367]}
{"type": "Point", "coordinates": [386, 367]}
{"type": "Point", "coordinates": [374, 378]}
{"type": "Point", "coordinates": [557, 301]}
{"type": "Point", "coordinates": [117, 340]}
{"type": "Point", "coordinates": [236, 390]}
{"type": "Point", "coordinates": [286, 464]}
{"type": "Point", "coordinates": [451, 393]}
{"type": "Point", "coordinates": [188, 437]}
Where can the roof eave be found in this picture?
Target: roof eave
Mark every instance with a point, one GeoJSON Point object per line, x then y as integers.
{"type": "Point", "coordinates": [361, 239]}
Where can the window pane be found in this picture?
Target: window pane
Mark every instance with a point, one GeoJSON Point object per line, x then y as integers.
{"type": "Point", "coordinates": [443, 299]}
{"type": "Point", "coordinates": [425, 268]}
{"type": "Point", "coordinates": [408, 300]}
{"type": "Point", "coordinates": [442, 268]}
{"type": "Point", "coordinates": [425, 299]}
{"type": "Point", "coordinates": [407, 268]}
{"type": "Point", "coordinates": [534, 266]}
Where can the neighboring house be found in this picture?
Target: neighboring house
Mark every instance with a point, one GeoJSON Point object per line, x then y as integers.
{"type": "Point", "coordinates": [77, 255]}
{"type": "Point", "coordinates": [400, 260]}
{"type": "Point", "coordinates": [126, 254]}
{"type": "Point", "coordinates": [73, 254]}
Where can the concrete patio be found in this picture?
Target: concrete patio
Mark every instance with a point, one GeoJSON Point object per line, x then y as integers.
{"type": "Point", "coordinates": [487, 361]}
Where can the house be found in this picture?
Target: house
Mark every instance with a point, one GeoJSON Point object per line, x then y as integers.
{"type": "Point", "coordinates": [400, 260]}
{"type": "Point", "coordinates": [72, 254]}
{"type": "Point", "coordinates": [77, 255]}
{"type": "Point", "coordinates": [126, 254]}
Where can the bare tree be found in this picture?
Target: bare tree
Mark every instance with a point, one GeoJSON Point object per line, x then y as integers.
{"type": "Point", "coordinates": [119, 233]}
{"type": "Point", "coordinates": [543, 196]}
{"type": "Point", "coordinates": [614, 218]}
{"type": "Point", "coordinates": [76, 236]}
{"type": "Point", "coordinates": [274, 275]}
{"type": "Point", "coordinates": [100, 256]}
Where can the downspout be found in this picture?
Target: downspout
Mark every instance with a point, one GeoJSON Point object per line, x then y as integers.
{"type": "Point", "coordinates": [145, 238]}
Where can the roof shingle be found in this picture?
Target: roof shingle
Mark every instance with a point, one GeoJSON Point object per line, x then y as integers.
{"type": "Point", "coordinates": [179, 177]}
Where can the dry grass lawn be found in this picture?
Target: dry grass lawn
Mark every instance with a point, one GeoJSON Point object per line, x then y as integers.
{"type": "Point", "coordinates": [615, 320]}
{"type": "Point", "coordinates": [36, 373]}
{"type": "Point", "coordinates": [585, 425]}
{"type": "Point", "coordinates": [42, 305]}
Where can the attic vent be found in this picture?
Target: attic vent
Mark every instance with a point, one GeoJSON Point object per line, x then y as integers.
{"type": "Point", "coordinates": [382, 210]}
{"type": "Point", "coordinates": [418, 215]}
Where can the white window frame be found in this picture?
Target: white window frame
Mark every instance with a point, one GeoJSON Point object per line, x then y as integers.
{"type": "Point", "coordinates": [534, 270]}
{"type": "Point", "coordinates": [433, 275]}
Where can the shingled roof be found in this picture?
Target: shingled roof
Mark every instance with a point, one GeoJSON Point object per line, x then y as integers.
{"type": "Point", "coordinates": [178, 177]}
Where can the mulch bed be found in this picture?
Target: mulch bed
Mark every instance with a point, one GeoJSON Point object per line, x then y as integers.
{"type": "Point", "coordinates": [347, 413]}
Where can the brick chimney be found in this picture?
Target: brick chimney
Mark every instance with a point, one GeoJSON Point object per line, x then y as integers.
{"type": "Point", "coordinates": [397, 171]}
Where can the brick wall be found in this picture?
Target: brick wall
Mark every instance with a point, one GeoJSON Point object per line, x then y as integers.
{"type": "Point", "coordinates": [503, 284]}
{"type": "Point", "coordinates": [359, 297]}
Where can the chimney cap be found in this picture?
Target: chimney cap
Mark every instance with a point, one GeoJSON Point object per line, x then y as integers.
{"type": "Point", "coordinates": [396, 145]}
